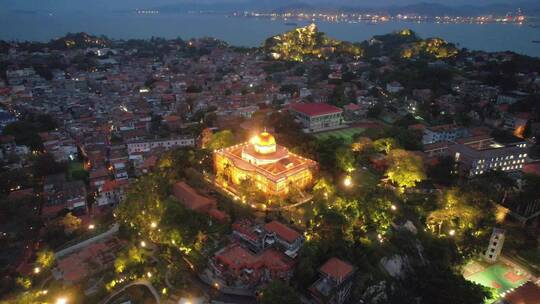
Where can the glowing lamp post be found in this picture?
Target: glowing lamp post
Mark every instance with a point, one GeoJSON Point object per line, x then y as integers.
{"type": "Point", "coordinates": [347, 182]}
{"type": "Point", "coordinates": [61, 301]}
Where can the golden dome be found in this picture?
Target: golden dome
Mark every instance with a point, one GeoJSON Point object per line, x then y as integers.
{"type": "Point", "coordinates": [264, 143]}
{"type": "Point", "coordinates": [266, 139]}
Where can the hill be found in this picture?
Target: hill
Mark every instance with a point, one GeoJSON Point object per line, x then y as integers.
{"type": "Point", "coordinates": [307, 42]}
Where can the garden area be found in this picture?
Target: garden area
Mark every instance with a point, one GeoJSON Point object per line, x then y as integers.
{"type": "Point", "coordinates": [346, 134]}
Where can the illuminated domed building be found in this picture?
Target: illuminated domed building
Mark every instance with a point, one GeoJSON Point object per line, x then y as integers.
{"type": "Point", "coordinates": [270, 166]}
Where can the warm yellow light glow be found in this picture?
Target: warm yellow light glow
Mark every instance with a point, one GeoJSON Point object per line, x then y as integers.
{"type": "Point", "coordinates": [91, 226]}
{"type": "Point", "coordinates": [347, 181]}
{"type": "Point", "coordinates": [37, 270]}
{"type": "Point", "coordinates": [216, 285]}
{"type": "Point", "coordinates": [452, 232]}
{"type": "Point", "coordinates": [393, 207]}
{"type": "Point", "coordinates": [143, 244]}
{"type": "Point", "coordinates": [153, 224]}
{"type": "Point", "coordinates": [149, 274]}
{"type": "Point", "coordinates": [61, 301]}
{"type": "Point", "coordinates": [261, 149]}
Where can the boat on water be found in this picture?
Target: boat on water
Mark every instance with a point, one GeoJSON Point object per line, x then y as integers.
{"type": "Point", "coordinates": [535, 41]}
{"type": "Point", "coordinates": [291, 23]}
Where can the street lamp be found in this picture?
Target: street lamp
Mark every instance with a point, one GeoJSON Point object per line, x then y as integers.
{"type": "Point", "coordinates": [347, 181]}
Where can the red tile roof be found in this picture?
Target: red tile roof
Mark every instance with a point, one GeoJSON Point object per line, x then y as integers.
{"type": "Point", "coordinates": [336, 269]}
{"type": "Point", "coordinates": [533, 168]}
{"type": "Point", "coordinates": [315, 109]}
{"type": "Point", "coordinates": [528, 293]}
{"type": "Point", "coordinates": [286, 233]}
{"type": "Point", "coordinates": [218, 215]}
{"type": "Point", "coordinates": [191, 199]}
{"type": "Point", "coordinates": [237, 258]}
{"type": "Point", "coordinates": [352, 107]}
{"type": "Point", "coordinates": [112, 185]}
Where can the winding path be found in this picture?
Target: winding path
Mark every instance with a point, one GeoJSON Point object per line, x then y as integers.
{"type": "Point", "coordinates": [141, 282]}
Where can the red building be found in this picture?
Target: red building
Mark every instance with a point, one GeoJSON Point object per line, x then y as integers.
{"type": "Point", "coordinates": [238, 265]}
{"type": "Point", "coordinates": [191, 199]}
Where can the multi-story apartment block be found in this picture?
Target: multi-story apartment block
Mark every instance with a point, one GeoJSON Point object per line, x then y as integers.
{"type": "Point", "coordinates": [474, 161]}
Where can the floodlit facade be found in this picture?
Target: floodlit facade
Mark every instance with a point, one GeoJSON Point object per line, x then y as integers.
{"type": "Point", "coordinates": [272, 168]}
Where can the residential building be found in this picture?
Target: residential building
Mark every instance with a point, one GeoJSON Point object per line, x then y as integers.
{"type": "Point", "coordinates": [147, 145]}
{"type": "Point", "coordinates": [334, 283]}
{"type": "Point", "coordinates": [112, 192]}
{"type": "Point", "coordinates": [74, 194]}
{"type": "Point", "coordinates": [316, 117]}
{"type": "Point", "coordinates": [238, 266]}
{"type": "Point", "coordinates": [192, 200]}
{"type": "Point", "coordinates": [273, 234]}
{"type": "Point", "coordinates": [440, 133]}
{"type": "Point", "coordinates": [394, 87]}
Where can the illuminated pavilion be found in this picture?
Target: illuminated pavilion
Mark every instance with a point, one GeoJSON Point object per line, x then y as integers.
{"type": "Point", "coordinates": [270, 166]}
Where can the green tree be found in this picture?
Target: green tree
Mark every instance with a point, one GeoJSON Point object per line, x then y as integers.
{"type": "Point", "coordinates": [70, 223]}
{"type": "Point", "coordinates": [455, 211]}
{"type": "Point", "coordinates": [385, 144]}
{"type": "Point", "coordinates": [221, 140]}
{"type": "Point", "coordinates": [362, 144]}
{"type": "Point", "coordinates": [45, 258]}
{"type": "Point", "coordinates": [345, 159]}
{"type": "Point", "coordinates": [279, 292]}
{"type": "Point", "coordinates": [405, 168]}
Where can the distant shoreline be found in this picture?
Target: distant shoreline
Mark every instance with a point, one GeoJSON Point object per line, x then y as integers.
{"type": "Point", "coordinates": [41, 26]}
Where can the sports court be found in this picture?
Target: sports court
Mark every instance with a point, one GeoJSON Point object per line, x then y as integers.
{"type": "Point", "coordinates": [499, 276]}
{"type": "Point", "coordinates": [346, 134]}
